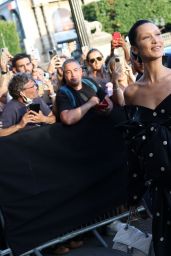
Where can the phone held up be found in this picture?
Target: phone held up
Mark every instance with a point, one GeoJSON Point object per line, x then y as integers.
{"type": "Point", "coordinates": [4, 50]}
{"type": "Point", "coordinates": [116, 36]}
{"type": "Point", "coordinates": [34, 107]}
{"type": "Point", "coordinates": [102, 105]}
{"type": "Point", "coordinates": [52, 53]}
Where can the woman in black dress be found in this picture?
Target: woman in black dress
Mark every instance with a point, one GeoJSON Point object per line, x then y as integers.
{"type": "Point", "coordinates": [148, 131]}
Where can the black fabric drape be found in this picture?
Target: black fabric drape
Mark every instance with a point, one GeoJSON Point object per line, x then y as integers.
{"type": "Point", "coordinates": [57, 177]}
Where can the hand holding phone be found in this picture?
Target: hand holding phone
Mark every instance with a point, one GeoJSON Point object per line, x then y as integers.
{"type": "Point", "coordinates": [85, 50]}
{"type": "Point", "coordinates": [102, 105]}
{"type": "Point", "coordinates": [116, 36]}
{"type": "Point", "coordinates": [34, 107]}
{"type": "Point", "coordinates": [52, 53]}
{"type": "Point", "coordinates": [4, 50]}
{"type": "Point", "coordinates": [58, 63]}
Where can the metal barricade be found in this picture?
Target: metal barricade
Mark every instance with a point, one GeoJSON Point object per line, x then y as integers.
{"type": "Point", "coordinates": [93, 227]}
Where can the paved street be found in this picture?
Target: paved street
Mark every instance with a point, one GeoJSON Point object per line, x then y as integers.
{"type": "Point", "coordinates": [92, 246]}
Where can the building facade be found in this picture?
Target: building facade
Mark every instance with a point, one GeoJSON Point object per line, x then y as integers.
{"type": "Point", "coordinates": [46, 24]}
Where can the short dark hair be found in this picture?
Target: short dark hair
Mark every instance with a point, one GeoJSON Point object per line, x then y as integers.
{"type": "Point", "coordinates": [135, 57]}
{"type": "Point", "coordinates": [132, 34]}
{"type": "Point", "coordinates": [70, 61]}
{"type": "Point", "coordinates": [20, 56]}
{"type": "Point", "coordinates": [92, 50]}
{"type": "Point", "coordinates": [17, 84]}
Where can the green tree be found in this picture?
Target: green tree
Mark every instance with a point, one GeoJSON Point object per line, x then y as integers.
{"type": "Point", "coordinates": [128, 11]}
{"type": "Point", "coordinates": [121, 14]}
{"type": "Point", "coordinates": [102, 11]}
{"type": "Point", "coordinates": [9, 37]}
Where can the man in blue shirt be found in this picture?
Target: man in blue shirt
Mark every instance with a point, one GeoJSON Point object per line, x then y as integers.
{"type": "Point", "coordinates": [17, 113]}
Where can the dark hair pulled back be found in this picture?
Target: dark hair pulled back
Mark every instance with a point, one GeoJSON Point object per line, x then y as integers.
{"type": "Point", "coordinates": [132, 34]}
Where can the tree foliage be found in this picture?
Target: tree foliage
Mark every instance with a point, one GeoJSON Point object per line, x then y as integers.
{"type": "Point", "coordinates": [121, 14]}
{"type": "Point", "coordinates": [102, 11]}
{"type": "Point", "coordinates": [9, 37]}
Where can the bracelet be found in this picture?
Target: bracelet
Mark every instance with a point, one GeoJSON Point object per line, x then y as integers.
{"type": "Point", "coordinates": [52, 95]}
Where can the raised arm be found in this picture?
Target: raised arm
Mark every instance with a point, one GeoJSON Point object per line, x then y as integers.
{"type": "Point", "coordinates": [72, 116]}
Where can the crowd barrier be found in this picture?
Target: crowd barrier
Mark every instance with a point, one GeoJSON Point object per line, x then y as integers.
{"type": "Point", "coordinates": [101, 221]}
{"type": "Point", "coordinates": [56, 178]}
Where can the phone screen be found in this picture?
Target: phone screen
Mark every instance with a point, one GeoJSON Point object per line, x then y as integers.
{"type": "Point", "coordinates": [4, 50]}
{"type": "Point", "coordinates": [34, 107]}
{"type": "Point", "coordinates": [102, 105]}
{"type": "Point", "coordinates": [116, 36]}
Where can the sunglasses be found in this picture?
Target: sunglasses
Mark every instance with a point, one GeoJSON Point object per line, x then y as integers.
{"type": "Point", "coordinates": [94, 59]}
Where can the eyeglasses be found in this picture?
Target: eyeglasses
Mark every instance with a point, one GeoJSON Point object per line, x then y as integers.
{"type": "Point", "coordinates": [94, 59]}
{"type": "Point", "coordinates": [34, 85]}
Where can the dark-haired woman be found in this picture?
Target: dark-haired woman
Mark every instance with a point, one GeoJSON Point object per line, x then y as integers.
{"type": "Point", "coordinates": [148, 104]}
{"type": "Point", "coordinates": [96, 67]}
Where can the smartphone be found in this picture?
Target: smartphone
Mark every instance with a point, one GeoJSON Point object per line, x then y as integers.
{"type": "Point", "coordinates": [102, 105]}
{"type": "Point", "coordinates": [46, 75]}
{"type": "Point", "coordinates": [85, 49]}
{"type": "Point", "coordinates": [119, 64]}
{"type": "Point", "coordinates": [35, 54]}
{"type": "Point", "coordinates": [52, 53]}
{"type": "Point", "coordinates": [4, 50]}
{"type": "Point", "coordinates": [34, 107]}
{"type": "Point", "coordinates": [116, 36]}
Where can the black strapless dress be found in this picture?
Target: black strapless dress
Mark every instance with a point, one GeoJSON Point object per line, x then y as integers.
{"type": "Point", "coordinates": [148, 135]}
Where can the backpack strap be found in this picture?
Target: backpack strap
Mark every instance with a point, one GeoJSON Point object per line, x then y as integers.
{"type": "Point", "coordinates": [89, 83]}
{"type": "Point", "coordinates": [65, 90]}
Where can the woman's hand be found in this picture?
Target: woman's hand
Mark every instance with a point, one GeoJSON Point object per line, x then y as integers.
{"type": "Point", "coordinates": [4, 60]}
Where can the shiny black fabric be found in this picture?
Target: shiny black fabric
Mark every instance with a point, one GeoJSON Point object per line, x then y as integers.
{"type": "Point", "coordinates": [55, 178]}
{"type": "Point", "coordinates": [148, 135]}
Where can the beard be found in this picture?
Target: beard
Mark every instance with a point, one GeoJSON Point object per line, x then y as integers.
{"type": "Point", "coordinates": [74, 82]}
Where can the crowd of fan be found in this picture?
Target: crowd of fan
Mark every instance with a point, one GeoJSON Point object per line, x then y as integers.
{"type": "Point", "coordinates": [31, 96]}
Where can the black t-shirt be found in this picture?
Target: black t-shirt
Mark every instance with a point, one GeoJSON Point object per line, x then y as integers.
{"type": "Point", "coordinates": [81, 96]}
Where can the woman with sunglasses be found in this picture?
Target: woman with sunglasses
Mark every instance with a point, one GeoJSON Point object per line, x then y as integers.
{"type": "Point", "coordinates": [96, 68]}
{"type": "Point", "coordinates": [148, 131]}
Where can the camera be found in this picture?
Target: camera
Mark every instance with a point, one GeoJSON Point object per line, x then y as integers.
{"type": "Point", "coordinates": [46, 75]}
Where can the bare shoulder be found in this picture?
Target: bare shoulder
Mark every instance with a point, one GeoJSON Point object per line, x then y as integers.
{"type": "Point", "coordinates": [130, 92]}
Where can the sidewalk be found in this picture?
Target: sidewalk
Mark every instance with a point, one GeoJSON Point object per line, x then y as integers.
{"type": "Point", "coordinates": [92, 246]}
